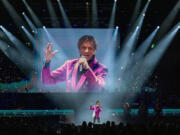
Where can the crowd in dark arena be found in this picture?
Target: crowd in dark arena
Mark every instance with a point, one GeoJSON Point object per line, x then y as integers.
{"type": "Point", "coordinates": [52, 125]}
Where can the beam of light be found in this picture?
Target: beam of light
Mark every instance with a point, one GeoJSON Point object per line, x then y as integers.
{"type": "Point", "coordinates": [168, 21]}
{"type": "Point", "coordinates": [14, 15]}
{"type": "Point", "coordinates": [31, 38]}
{"type": "Point", "coordinates": [109, 61]}
{"type": "Point", "coordinates": [146, 7]}
{"type": "Point", "coordinates": [113, 14]}
{"type": "Point", "coordinates": [31, 25]}
{"type": "Point", "coordinates": [2, 35]}
{"type": "Point", "coordinates": [136, 61]}
{"type": "Point", "coordinates": [142, 49]}
{"type": "Point", "coordinates": [24, 52]}
{"type": "Point", "coordinates": [124, 61]}
{"type": "Point", "coordinates": [135, 12]}
{"type": "Point", "coordinates": [94, 14]}
{"type": "Point", "coordinates": [147, 65]}
{"type": "Point", "coordinates": [64, 16]}
{"type": "Point", "coordinates": [4, 46]}
{"type": "Point", "coordinates": [12, 12]}
{"type": "Point", "coordinates": [138, 22]}
{"type": "Point", "coordinates": [16, 57]}
{"type": "Point", "coordinates": [33, 15]}
{"type": "Point", "coordinates": [138, 74]}
{"type": "Point", "coordinates": [130, 42]}
{"type": "Point", "coordinates": [54, 19]}
{"type": "Point", "coordinates": [154, 56]}
{"type": "Point", "coordinates": [87, 13]}
{"type": "Point", "coordinates": [124, 58]}
{"type": "Point", "coordinates": [139, 26]}
{"type": "Point", "coordinates": [125, 54]}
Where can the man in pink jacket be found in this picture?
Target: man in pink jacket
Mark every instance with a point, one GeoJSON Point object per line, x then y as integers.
{"type": "Point", "coordinates": [96, 111]}
{"type": "Point", "coordinates": [83, 74]}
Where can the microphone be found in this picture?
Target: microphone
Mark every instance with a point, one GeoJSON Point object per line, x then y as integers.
{"type": "Point", "coordinates": [81, 66]}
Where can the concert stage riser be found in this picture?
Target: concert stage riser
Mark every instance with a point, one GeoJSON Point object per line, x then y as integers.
{"type": "Point", "coordinates": [113, 112]}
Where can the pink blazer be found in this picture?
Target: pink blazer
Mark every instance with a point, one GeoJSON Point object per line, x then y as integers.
{"type": "Point", "coordinates": [91, 80]}
{"type": "Point", "coordinates": [97, 111]}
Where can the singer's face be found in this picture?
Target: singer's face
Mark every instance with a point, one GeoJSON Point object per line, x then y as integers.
{"type": "Point", "coordinates": [98, 103]}
{"type": "Point", "coordinates": [87, 49]}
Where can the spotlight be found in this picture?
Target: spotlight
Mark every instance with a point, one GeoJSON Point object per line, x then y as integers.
{"type": "Point", "coordinates": [158, 27]}
{"type": "Point", "coordinates": [23, 13]}
{"type": "Point", "coordinates": [22, 27]}
{"type": "Point", "coordinates": [143, 14]}
{"type": "Point", "coordinates": [115, 0]}
{"type": "Point", "coordinates": [149, 0]}
{"type": "Point", "coordinates": [137, 27]}
{"type": "Point", "coordinates": [179, 27]}
{"type": "Point", "coordinates": [57, 0]}
{"type": "Point", "coordinates": [44, 27]}
{"type": "Point", "coordinates": [87, 3]}
{"type": "Point", "coordinates": [117, 27]}
{"type": "Point", "coordinates": [1, 26]}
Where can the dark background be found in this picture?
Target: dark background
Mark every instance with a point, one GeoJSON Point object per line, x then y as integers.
{"type": "Point", "coordinates": [165, 77]}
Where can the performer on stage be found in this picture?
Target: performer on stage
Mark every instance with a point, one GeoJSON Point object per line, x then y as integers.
{"type": "Point", "coordinates": [127, 111]}
{"type": "Point", "coordinates": [96, 111]}
{"type": "Point", "coordinates": [81, 74]}
{"type": "Point", "coordinates": [158, 111]}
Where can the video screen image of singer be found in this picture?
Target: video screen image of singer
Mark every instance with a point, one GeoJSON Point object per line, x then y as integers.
{"type": "Point", "coordinates": [75, 60]}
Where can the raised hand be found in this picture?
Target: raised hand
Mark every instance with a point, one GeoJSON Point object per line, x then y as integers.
{"type": "Point", "coordinates": [48, 52]}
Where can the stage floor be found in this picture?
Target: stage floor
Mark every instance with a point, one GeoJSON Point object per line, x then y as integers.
{"type": "Point", "coordinates": [72, 112]}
